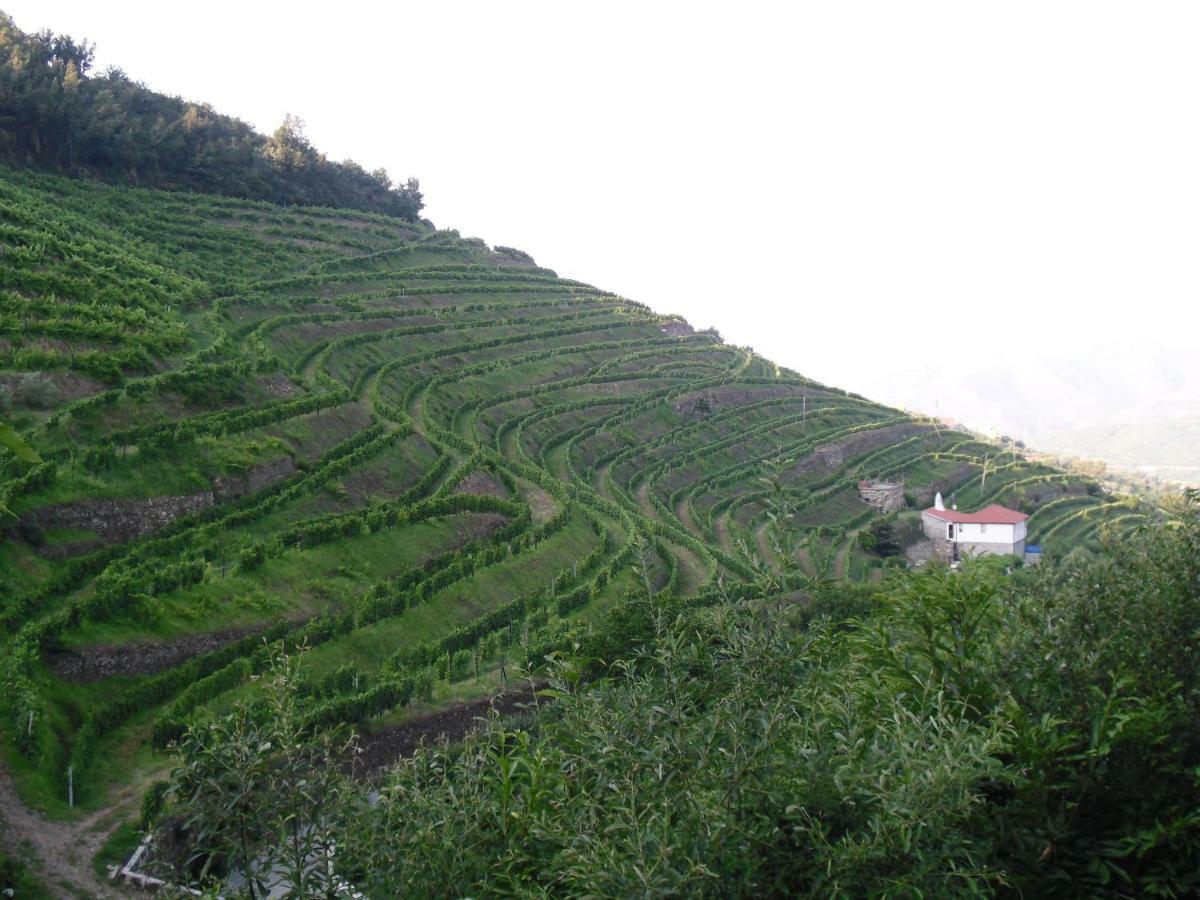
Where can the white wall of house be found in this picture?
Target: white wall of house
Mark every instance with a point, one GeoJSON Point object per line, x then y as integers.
{"type": "Point", "coordinates": [972, 532]}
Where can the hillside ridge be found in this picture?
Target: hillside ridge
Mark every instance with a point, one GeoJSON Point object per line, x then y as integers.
{"type": "Point", "coordinates": [59, 116]}
{"type": "Point", "coordinates": [388, 443]}
{"type": "Point", "coordinates": [300, 493]}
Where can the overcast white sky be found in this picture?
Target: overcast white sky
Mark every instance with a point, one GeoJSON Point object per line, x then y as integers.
{"type": "Point", "coordinates": [834, 184]}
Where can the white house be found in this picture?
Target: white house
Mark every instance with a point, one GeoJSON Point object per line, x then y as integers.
{"type": "Point", "coordinates": [994, 529]}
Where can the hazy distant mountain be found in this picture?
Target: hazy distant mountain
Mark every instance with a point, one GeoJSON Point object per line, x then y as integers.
{"type": "Point", "coordinates": [1135, 409]}
{"type": "Point", "coordinates": [1164, 448]}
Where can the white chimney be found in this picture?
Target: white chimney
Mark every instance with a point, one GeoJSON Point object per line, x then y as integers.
{"type": "Point", "coordinates": [937, 501]}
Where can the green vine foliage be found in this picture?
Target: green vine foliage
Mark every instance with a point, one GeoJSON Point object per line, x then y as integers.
{"type": "Point", "coordinates": [970, 735]}
{"type": "Point", "coordinates": [432, 466]}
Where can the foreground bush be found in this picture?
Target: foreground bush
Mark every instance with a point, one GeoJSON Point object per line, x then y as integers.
{"type": "Point", "coordinates": [973, 733]}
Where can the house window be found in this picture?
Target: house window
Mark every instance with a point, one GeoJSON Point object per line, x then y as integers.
{"type": "Point", "coordinates": [950, 532]}
{"type": "Point", "coordinates": [983, 529]}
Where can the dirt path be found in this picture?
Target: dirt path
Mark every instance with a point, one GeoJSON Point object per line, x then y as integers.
{"type": "Point", "coordinates": [683, 512]}
{"type": "Point", "coordinates": [721, 527]}
{"type": "Point", "coordinates": [763, 544]}
{"type": "Point", "coordinates": [843, 552]}
{"type": "Point", "coordinates": [643, 500]}
{"type": "Point", "coordinates": [692, 572]}
{"type": "Point", "coordinates": [805, 560]}
{"type": "Point", "coordinates": [542, 506]}
{"type": "Point", "coordinates": [556, 462]}
{"type": "Point", "coordinates": [839, 562]}
{"type": "Point", "coordinates": [416, 411]}
{"type": "Point", "coordinates": [368, 390]}
{"type": "Point", "coordinates": [309, 371]}
{"type": "Point", "coordinates": [600, 481]}
{"type": "Point", "coordinates": [61, 852]}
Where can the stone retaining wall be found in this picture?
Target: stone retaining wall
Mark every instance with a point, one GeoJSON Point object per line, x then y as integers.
{"type": "Point", "coordinates": [118, 520]}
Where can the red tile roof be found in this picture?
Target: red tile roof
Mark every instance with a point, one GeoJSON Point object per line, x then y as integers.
{"type": "Point", "coordinates": [989, 515]}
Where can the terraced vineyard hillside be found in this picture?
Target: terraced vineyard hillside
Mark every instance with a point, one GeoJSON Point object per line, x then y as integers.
{"type": "Point", "coordinates": [424, 459]}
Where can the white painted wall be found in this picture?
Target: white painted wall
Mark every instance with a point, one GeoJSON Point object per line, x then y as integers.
{"type": "Point", "coordinates": [967, 532]}
{"type": "Point", "coordinates": [989, 534]}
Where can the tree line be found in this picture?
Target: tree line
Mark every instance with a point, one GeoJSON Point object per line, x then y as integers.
{"type": "Point", "coordinates": [56, 114]}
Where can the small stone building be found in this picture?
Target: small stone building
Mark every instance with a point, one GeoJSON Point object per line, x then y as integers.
{"type": "Point", "coordinates": [885, 496]}
{"type": "Point", "coordinates": [995, 530]}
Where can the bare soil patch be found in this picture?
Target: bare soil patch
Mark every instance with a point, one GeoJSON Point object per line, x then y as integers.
{"type": "Point", "coordinates": [384, 747]}
{"type": "Point", "coordinates": [45, 390]}
{"type": "Point", "coordinates": [315, 332]}
{"type": "Point", "coordinates": [708, 400]}
{"type": "Point", "coordinates": [363, 485]}
{"type": "Point", "coordinates": [480, 483]}
{"type": "Point", "coordinates": [477, 525]}
{"type": "Point", "coordinates": [326, 429]}
{"type": "Point", "coordinates": [835, 455]}
{"type": "Point", "coordinates": [277, 385]}
{"type": "Point", "coordinates": [541, 505]}
{"type": "Point", "coordinates": [87, 664]}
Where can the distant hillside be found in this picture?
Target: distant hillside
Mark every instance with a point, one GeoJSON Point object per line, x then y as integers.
{"type": "Point", "coordinates": [56, 114]}
{"type": "Point", "coordinates": [1131, 409]}
{"type": "Point", "coordinates": [1168, 449]}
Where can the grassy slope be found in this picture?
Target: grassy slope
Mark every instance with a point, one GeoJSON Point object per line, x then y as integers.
{"type": "Point", "coordinates": [140, 328]}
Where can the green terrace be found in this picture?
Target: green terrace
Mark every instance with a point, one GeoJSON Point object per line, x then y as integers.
{"type": "Point", "coordinates": [226, 423]}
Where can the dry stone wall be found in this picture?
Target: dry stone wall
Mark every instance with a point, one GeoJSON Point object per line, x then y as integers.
{"type": "Point", "coordinates": [255, 478]}
{"type": "Point", "coordinates": [118, 520]}
{"type": "Point", "coordinates": [923, 495]}
{"type": "Point", "coordinates": [833, 456]}
{"type": "Point", "coordinates": [114, 520]}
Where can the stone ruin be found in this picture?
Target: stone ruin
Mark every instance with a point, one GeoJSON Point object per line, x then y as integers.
{"type": "Point", "coordinates": [885, 496]}
{"type": "Point", "coordinates": [675, 328]}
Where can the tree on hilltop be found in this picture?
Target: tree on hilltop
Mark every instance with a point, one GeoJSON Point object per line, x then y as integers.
{"type": "Point", "coordinates": [288, 147]}
{"type": "Point", "coordinates": [55, 115]}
